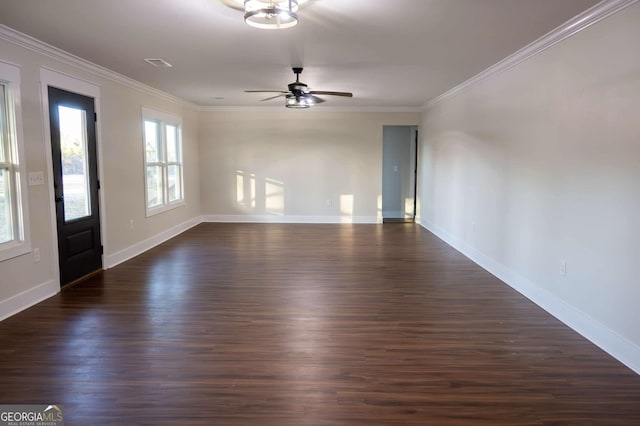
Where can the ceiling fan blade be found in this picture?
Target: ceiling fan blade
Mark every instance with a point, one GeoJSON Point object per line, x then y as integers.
{"type": "Point", "coordinates": [265, 91]}
{"type": "Point", "coordinates": [316, 100]}
{"type": "Point", "coordinates": [326, 92]}
{"type": "Point", "coordinates": [273, 97]}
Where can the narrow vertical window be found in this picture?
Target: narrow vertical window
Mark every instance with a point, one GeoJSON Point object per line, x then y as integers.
{"type": "Point", "coordinates": [13, 229]}
{"type": "Point", "coordinates": [6, 210]}
{"type": "Point", "coordinates": [163, 161]}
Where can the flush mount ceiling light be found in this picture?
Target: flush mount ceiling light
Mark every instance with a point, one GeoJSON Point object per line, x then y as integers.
{"type": "Point", "coordinates": [271, 14]}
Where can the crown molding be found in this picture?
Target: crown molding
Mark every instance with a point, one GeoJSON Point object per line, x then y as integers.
{"type": "Point", "coordinates": [316, 109]}
{"type": "Point", "coordinates": [35, 45]}
{"type": "Point", "coordinates": [595, 14]}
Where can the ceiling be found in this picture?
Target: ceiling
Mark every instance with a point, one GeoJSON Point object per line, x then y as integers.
{"type": "Point", "coordinates": [390, 54]}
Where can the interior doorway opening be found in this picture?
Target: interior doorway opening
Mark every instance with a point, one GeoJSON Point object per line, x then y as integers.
{"type": "Point", "coordinates": [399, 173]}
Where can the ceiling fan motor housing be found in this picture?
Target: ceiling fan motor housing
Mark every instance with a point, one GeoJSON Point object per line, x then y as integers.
{"type": "Point", "coordinates": [298, 88]}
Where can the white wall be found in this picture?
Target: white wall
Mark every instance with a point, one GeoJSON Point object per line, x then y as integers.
{"type": "Point", "coordinates": [24, 282]}
{"type": "Point", "coordinates": [541, 163]}
{"type": "Point", "coordinates": [310, 166]}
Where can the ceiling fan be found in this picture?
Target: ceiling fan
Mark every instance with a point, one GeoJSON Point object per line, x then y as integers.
{"type": "Point", "coordinates": [299, 95]}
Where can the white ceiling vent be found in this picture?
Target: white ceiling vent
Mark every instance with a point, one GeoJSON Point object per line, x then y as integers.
{"type": "Point", "coordinates": [158, 63]}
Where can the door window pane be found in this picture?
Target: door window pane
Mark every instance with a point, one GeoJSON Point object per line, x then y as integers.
{"type": "Point", "coordinates": [175, 186]}
{"type": "Point", "coordinates": [154, 186]}
{"type": "Point", "coordinates": [152, 141]}
{"type": "Point", "coordinates": [6, 233]}
{"type": "Point", "coordinates": [75, 170]}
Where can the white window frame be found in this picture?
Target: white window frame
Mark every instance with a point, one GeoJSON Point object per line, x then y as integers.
{"type": "Point", "coordinates": [163, 119]}
{"type": "Point", "coordinates": [15, 164]}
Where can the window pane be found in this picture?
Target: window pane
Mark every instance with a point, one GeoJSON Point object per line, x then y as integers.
{"type": "Point", "coordinates": [152, 141]}
{"type": "Point", "coordinates": [175, 185]}
{"type": "Point", "coordinates": [172, 143]}
{"type": "Point", "coordinates": [75, 169]}
{"type": "Point", "coordinates": [154, 186]}
{"type": "Point", "coordinates": [5, 206]}
{"type": "Point", "coordinates": [4, 144]}
{"type": "Point", "coordinates": [6, 233]}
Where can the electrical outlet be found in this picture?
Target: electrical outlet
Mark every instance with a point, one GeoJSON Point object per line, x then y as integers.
{"type": "Point", "coordinates": [329, 202]}
{"type": "Point", "coordinates": [131, 224]}
{"type": "Point", "coordinates": [563, 268]}
{"type": "Point", "coordinates": [36, 255]}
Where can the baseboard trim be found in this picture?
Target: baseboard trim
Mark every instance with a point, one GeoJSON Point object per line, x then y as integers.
{"type": "Point", "coordinates": [606, 339]}
{"type": "Point", "coordinates": [139, 248]}
{"type": "Point", "coordinates": [28, 298]}
{"type": "Point", "coordinates": [290, 219]}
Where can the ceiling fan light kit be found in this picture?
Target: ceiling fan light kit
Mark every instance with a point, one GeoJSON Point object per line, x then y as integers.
{"type": "Point", "coordinates": [271, 14]}
{"type": "Point", "coordinates": [302, 101]}
{"type": "Point", "coordinates": [299, 95]}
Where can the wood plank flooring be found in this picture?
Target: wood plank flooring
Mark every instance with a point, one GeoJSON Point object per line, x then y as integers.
{"type": "Point", "coordinates": [307, 325]}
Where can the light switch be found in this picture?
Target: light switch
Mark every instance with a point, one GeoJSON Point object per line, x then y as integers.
{"type": "Point", "coordinates": [36, 178]}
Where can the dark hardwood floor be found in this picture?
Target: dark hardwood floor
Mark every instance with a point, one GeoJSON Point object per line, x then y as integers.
{"type": "Point", "coordinates": [307, 325]}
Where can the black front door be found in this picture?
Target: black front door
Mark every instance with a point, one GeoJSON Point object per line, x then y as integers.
{"type": "Point", "coordinates": [75, 180]}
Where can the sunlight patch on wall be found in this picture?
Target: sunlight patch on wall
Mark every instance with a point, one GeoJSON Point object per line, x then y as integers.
{"type": "Point", "coordinates": [408, 208]}
{"type": "Point", "coordinates": [245, 189]}
{"type": "Point", "coordinates": [253, 190]}
{"type": "Point", "coordinates": [346, 208]}
{"type": "Point", "coordinates": [240, 187]}
{"type": "Point", "coordinates": [257, 195]}
{"type": "Point", "coordinates": [274, 196]}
